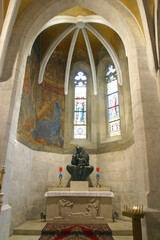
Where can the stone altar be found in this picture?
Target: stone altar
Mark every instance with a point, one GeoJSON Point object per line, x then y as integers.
{"type": "Point", "coordinates": [92, 206]}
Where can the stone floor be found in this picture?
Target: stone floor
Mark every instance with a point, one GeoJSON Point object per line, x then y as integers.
{"type": "Point", "coordinates": [31, 230]}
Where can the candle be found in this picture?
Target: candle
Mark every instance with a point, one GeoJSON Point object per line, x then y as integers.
{"type": "Point", "coordinates": [97, 173]}
{"type": "Point", "coordinates": [60, 172]}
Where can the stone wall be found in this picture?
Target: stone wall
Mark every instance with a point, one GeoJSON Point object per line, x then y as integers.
{"type": "Point", "coordinates": [117, 172]}
{"type": "Point", "coordinates": [33, 172]}
{"type": "Point", "coordinates": [20, 184]}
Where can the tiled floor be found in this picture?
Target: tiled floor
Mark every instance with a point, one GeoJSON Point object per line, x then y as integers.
{"type": "Point", "coordinates": [31, 230]}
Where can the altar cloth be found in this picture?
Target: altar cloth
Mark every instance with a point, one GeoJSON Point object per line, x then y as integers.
{"type": "Point", "coordinates": [79, 194]}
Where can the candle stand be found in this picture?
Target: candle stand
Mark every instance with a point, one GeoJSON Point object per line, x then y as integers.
{"type": "Point", "coordinates": [98, 184]}
{"type": "Point", "coordinates": [60, 177]}
{"type": "Point", "coordinates": [60, 182]}
{"type": "Point", "coordinates": [136, 215]}
{"type": "Point", "coordinates": [98, 177]}
{"type": "Point", "coordinates": [2, 172]}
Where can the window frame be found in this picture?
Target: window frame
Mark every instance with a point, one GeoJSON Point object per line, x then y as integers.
{"type": "Point", "coordinates": [91, 136]}
{"type": "Point", "coordinates": [85, 111]}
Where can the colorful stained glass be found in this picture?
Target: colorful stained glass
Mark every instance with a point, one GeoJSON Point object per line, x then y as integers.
{"type": "Point", "coordinates": [80, 76]}
{"type": "Point", "coordinates": [80, 95]}
{"type": "Point", "coordinates": [80, 105]}
{"type": "Point", "coordinates": [80, 132]}
{"type": "Point", "coordinates": [80, 92]}
{"type": "Point", "coordinates": [112, 87]}
{"type": "Point", "coordinates": [80, 118]}
{"type": "Point", "coordinates": [113, 100]}
{"type": "Point", "coordinates": [113, 113]}
{"type": "Point", "coordinates": [114, 128]}
{"type": "Point", "coordinates": [111, 74]}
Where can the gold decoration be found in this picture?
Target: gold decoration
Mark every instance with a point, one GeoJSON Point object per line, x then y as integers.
{"type": "Point", "coordinates": [60, 182]}
{"type": "Point", "coordinates": [136, 213]}
{"type": "Point", "coordinates": [98, 184]}
{"type": "Point", "coordinates": [2, 172]}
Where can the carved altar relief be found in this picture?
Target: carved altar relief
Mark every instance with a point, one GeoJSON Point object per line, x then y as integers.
{"type": "Point", "coordinates": [89, 210]}
{"type": "Point", "coordinates": [79, 206]}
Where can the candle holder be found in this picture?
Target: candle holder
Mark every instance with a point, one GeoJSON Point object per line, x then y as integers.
{"type": "Point", "coordinates": [2, 172]}
{"type": "Point", "coordinates": [98, 177]}
{"type": "Point", "coordinates": [1, 201]}
{"type": "Point", "coordinates": [60, 177]}
{"type": "Point", "coordinates": [60, 182]}
{"type": "Point", "coordinates": [98, 184]}
{"type": "Point", "coordinates": [136, 213]}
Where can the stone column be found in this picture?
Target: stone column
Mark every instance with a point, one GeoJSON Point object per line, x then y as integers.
{"type": "Point", "coordinates": [10, 98]}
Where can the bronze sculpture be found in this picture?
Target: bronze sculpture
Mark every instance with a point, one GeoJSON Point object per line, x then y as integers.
{"type": "Point", "coordinates": [79, 168]}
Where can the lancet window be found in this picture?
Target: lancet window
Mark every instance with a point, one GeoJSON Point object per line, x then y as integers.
{"type": "Point", "coordinates": [80, 106]}
{"type": "Point", "coordinates": [113, 112]}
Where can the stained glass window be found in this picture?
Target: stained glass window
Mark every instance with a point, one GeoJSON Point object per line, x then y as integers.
{"type": "Point", "coordinates": [80, 106]}
{"type": "Point", "coordinates": [113, 113]}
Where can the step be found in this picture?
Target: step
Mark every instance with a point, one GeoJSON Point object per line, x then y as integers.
{"type": "Point", "coordinates": [121, 230]}
{"type": "Point", "coordinates": [34, 237]}
{"type": "Point", "coordinates": [33, 227]}
{"type": "Point", "coordinates": [24, 237]}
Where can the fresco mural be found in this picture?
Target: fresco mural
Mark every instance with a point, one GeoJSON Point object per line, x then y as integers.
{"type": "Point", "coordinates": [41, 119]}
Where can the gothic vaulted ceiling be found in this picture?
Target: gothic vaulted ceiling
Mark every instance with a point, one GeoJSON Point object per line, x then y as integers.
{"type": "Point", "coordinates": [49, 34]}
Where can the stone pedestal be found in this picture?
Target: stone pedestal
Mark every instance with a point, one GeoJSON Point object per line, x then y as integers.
{"type": "Point", "coordinates": [5, 217]}
{"type": "Point", "coordinates": [79, 206]}
{"type": "Point", "coordinates": [78, 185]}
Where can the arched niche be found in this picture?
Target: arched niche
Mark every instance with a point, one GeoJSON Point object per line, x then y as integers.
{"type": "Point", "coordinates": [122, 21]}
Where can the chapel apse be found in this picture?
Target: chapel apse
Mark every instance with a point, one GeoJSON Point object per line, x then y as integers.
{"type": "Point", "coordinates": [41, 118]}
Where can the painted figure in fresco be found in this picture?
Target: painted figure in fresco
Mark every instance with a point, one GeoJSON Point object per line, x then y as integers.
{"type": "Point", "coordinates": [79, 168]}
{"type": "Point", "coordinates": [49, 123]}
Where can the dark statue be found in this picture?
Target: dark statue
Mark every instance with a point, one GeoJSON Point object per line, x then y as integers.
{"type": "Point", "coordinates": [79, 168]}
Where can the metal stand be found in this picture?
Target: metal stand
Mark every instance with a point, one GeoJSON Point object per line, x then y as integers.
{"type": "Point", "coordinates": [136, 223]}
{"type": "Point", "coordinates": [98, 185]}
{"type": "Point", "coordinates": [2, 172]}
{"type": "Point", "coordinates": [60, 182]}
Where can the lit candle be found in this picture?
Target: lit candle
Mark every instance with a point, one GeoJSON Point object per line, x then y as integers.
{"type": "Point", "coordinates": [60, 172]}
{"type": "Point", "coordinates": [135, 208]}
{"type": "Point", "coordinates": [97, 174]}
